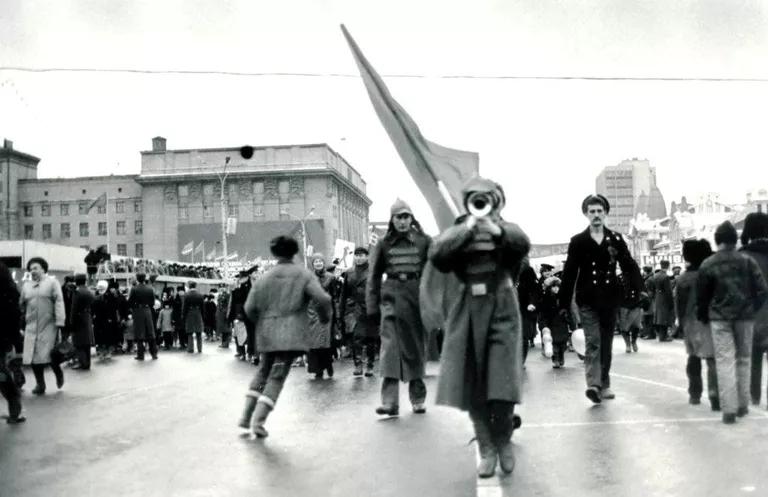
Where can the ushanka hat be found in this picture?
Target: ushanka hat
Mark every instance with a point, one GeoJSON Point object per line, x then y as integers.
{"type": "Point", "coordinates": [595, 199]}
{"type": "Point", "coordinates": [400, 207]}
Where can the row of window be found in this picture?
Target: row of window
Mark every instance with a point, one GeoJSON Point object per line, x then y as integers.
{"type": "Point", "coordinates": [82, 208]}
{"type": "Point", "coordinates": [65, 229]}
{"type": "Point", "coordinates": [122, 249]}
{"type": "Point", "coordinates": [283, 187]}
{"type": "Point", "coordinates": [233, 210]}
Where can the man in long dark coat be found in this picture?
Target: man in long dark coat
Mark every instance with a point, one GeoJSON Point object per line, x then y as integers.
{"type": "Point", "coordinates": [141, 300]}
{"type": "Point", "coordinates": [193, 318]}
{"type": "Point", "coordinates": [67, 292]}
{"type": "Point", "coordinates": [222, 326]}
{"type": "Point", "coordinates": [481, 365]}
{"type": "Point", "coordinates": [354, 316]}
{"type": "Point", "coordinates": [11, 342]}
{"type": "Point", "coordinates": [400, 255]}
{"type": "Point", "coordinates": [81, 321]}
{"type": "Point", "coordinates": [664, 303]}
{"type": "Point", "coordinates": [177, 319]}
{"type": "Point", "coordinates": [529, 294]}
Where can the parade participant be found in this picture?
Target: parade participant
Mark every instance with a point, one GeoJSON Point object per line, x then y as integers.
{"type": "Point", "coordinates": [552, 321]}
{"type": "Point", "coordinates": [165, 325]}
{"type": "Point", "coordinates": [528, 293]}
{"type": "Point", "coordinates": [648, 331]}
{"type": "Point", "coordinates": [698, 335]}
{"type": "Point", "coordinates": [400, 255]}
{"type": "Point", "coordinates": [222, 306]}
{"type": "Point", "coordinates": [113, 317]}
{"type": "Point", "coordinates": [141, 299]}
{"type": "Point", "coordinates": [590, 272]}
{"type": "Point", "coordinates": [238, 318]}
{"type": "Point", "coordinates": [178, 317]}
{"type": "Point", "coordinates": [42, 307]}
{"type": "Point", "coordinates": [81, 322]}
{"type": "Point", "coordinates": [320, 357]}
{"type": "Point", "coordinates": [731, 290]}
{"type": "Point", "coordinates": [663, 303]}
{"type": "Point", "coordinates": [278, 305]}
{"type": "Point", "coordinates": [209, 316]}
{"type": "Point", "coordinates": [10, 343]}
{"type": "Point", "coordinates": [631, 313]}
{"type": "Point", "coordinates": [126, 321]}
{"type": "Point", "coordinates": [67, 292]}
{"type": "Point", "coordinates": [192, 314]}
{"type": "Point", "coordinates": [754, 241]}
{"type": "Point", "coordinates": [356, 321]}
{"type": "Point", "coordinates": [101, 334]}
{"type": "Point", "coordinates": [481, 364]}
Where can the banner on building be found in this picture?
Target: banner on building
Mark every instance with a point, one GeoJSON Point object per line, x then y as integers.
{"type": "Point", "coordinates": [231, 226]}
{"type": "Point", "coordinates": [344, 251]}
{"type": "Point", "coordinates": [654, 260]}
{"type": "Point", "coordinates": [188, 248]}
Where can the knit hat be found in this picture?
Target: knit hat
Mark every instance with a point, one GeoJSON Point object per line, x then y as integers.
{"type": "Point", "coordinates": [316, 256]}
{"type": "Point", "coordinates": [726, 233]}
{"type": "Point", "coordinates": [400, 207]}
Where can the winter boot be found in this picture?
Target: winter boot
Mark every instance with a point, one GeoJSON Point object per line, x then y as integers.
{"type": "Point", "coordinates": [369, 370]}
{"type": "Point", "coordinates": [634, 344]}
{"type": "Point", "coordinates": [487, 465]}
{"type": "Point", "coordinates": [503, 424]}
{"type": "Point", "coordinates": [627, 343]}
{"type": "Point", "coordinates": [259, 418]}
{"type": "Point", "coordinates": [250, 405]}
{"type": "Point", "coordinates": [358, 370]}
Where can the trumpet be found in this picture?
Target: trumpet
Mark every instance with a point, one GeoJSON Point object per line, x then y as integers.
{"type": "Point", "coordinates": [480, 204]}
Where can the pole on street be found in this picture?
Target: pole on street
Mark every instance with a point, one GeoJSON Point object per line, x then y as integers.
{"type": "Point", "coordinates": [223, 179]}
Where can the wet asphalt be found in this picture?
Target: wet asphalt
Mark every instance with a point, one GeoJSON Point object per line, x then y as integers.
{"type": "Point", "coordinates": [168, 428]}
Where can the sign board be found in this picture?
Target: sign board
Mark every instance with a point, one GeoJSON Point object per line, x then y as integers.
{"type": "Point", "coordinates": [654, 260]}
{"type": "Point", "coordinates": [344, 251]}
{"type": "Point", "coordinates": [231, 225]}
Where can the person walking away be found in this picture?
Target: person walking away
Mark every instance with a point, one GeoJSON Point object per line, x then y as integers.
{"type": "Point", "coordinates": [664, 306]}
{"type": "Point", "coordinates": [631, 313]}
{"type": "Point", "coordinates": [178, 319]}
{"type": "Point", "coordinates": [648, 332]}
{"type": "Point", "coordinates": [754, 242]}
{"type": "Point", "coordinates": [222, 326]}
{"type": "Point", "coordinates": [237, 317]}
{"type": "Point", "coordinates": [67, 292]}
{"type": "Point", "coordinates": [193, 318]}
{"type": "Point", "coordinates": [209, 317]}
{"type": "Point", "coordinates": [82, 322]}
{"type": "Point", "coordinates": [320, 357]}
{"type": "Point", "coordinates": [42, 307]}
{"type": "Point", "coordinates": [278, 305]}
{"type": "Point", "coordinates": [552, 321]}
{"type": "Point", "coordinates": [10, 343]}
{"type": "Point", "coordinates": [400, 256]}
{"type": "Point", "coordinates": [165, 325]}
{"type": "Point", "coordinates": [528, 292]}
{"type": "Point", "coordinates": [481, 367]}
{"type": "Point", "coordinates": [355, 319]}
{"type": "Point", "coordinates": [141, 299]}
{"type": "Point", "coordinates": [590, 272]}
{"type": "Point", "coordinates": [731, 291]}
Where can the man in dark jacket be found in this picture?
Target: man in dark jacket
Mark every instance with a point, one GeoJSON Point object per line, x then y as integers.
{"type": "Point", "coordinates": [67, 291]}
{"type": "Point", "coordinates": [176, 317]}
{"type": "Point", "coordinates": [590, 269]}
{"type": "Point", "coordinates": [354, 317]}
{"type": "Point", "coordinates": [731, 291]}
{"type": "Point", "coordinates": [648, 332]}
{"type": "Point", "coordinates": [141, 300]}
{"type": "Point", "coordinates": [236, 313]}
{"type": "Point", "coordinates": [193, 318]}
{"type": "Point", "coordinates": [81, 321]}
{"type": "Point", "coordinates": [10, 339]}
{"type": "Point", "coordinates": [754, 241]}
{"type": "Point", "coordinates": [529, 294]}
{"type": "Point", "coordinates": [663, 303]}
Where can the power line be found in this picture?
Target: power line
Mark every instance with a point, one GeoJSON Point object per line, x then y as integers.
{"type": "Point", "coordinates": [408, 76]}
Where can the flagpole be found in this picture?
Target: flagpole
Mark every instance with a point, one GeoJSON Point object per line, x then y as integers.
{"type": "Point", "coordinates": [106, 207]}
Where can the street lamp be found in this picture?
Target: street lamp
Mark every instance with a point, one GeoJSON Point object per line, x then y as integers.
{"type": "Point", "coordinates": [223, 179]}
{"type": "Point", "coordinates": [303, 229]}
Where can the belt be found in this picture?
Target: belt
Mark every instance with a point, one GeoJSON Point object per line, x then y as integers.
{"type": "Point", "coordinates": [403, 276]}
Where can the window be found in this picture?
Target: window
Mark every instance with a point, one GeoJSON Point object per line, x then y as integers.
{"type": "Point", "coordinates": [208, 189]}
{"type": "Point", "coordinates": [83, 229]}
{"type": "Point", "coordinates": [137, 206]}
{"type": "Point", "coordinates": [102, 228]}
{"type": "Point", "coordinates": [29, 231]}
{"type": "Point", "coordinates": [120, 206]}
{"type": "Point", "coordinates": [258, 187]}
{"type": "Point", "coordinates": [233, 210]}
{"type": "Point", "coordinates": [258, 211]}
{"type": "Point", "coordinates": [284, 186]}
{"type": "Point", "coordinates": [232, 187]}
{"type": "Point", "coordinates": [82, 208]}
{"type": "Point", "coordinates": [122, 249]}
{"type": "Point", "coordinates": [64, 230]}
{"type": "Point", "coordinates": [46, 209]}
{"type": "Point", "coordinates": [101, 209]}
{"type": "Point", "coordinates": [138, 227]}
{"type": "Point", "coordinates": [183, 190]}
{"type": "Point", "coordinates": [46, 231]}
{"type": "Point", "coordinates": [183, 212]}
{"type": "Point", "coordinates": [64, 209]}
{"type": "Point", "coordinates": [120, 227]}
{"type": "Point", "coordinates": [139, 250]}
{"type": "Point", "coordinates": [207, 211]}
{"type": "Point", "coordinates": [27, 211]}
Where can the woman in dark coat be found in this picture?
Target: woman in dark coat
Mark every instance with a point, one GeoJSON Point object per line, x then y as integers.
{"type": "Point", "coordinates": [320, 357]}
{"type": "Point", "coordinates": [481, 366]}
{"type": "Point", "coordinates": [400, 255]}
{"type": "Point", "coordinates": [81, 322]}
{"type": "Point", "coordinates": [754, 241]}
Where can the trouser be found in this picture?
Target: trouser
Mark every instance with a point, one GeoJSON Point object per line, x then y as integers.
{"type": "Point", "coordinates": [631, 334]}
{"type": "Point", "coordinates": [733, 351]}
{"type": "Point", "coordinates": [558, 352]}
{"type": "Point", "coordinates": [9, 389]}
{"type": "Point", "coordinates": [365, 344]}
{"type": "Point", "coordinates": [226, 337]}
{"type": "Point", "coordinates": [526, 344]}
{"type": "Point", "coordinates": [181, 332]}
{"type": "Point", "coordinates": [250, 345]}
{"type": "Point", "coordinates": [84, 356]}
{"type": "Point", "coordinates": [39, 371]}
{"type": "Point", "coordinates": [598, 333]}
{"type": "Point", "coordinates": [695, 383]}
{"type": "Point", "coordinates": [271, 375]}
{"type": "Point", "coordinates": [168, 339]}
{"type": "Point", "coordinates": [759, 349]}
{"type": "Point", "coordinates": [648, 330]}
{"type": "Point", "coordinates": [191, 339]}
{"type": "Point", "coordinates": [493, 421]}
{"type": "Point", "coordinates": [152, 346]}
{"type": "Point", "coordinates": [390, 391]}
{"type": "Point", "coordinates": [661, 330]}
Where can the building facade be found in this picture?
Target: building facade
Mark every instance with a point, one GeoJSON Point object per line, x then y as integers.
{"type": "Point", "coordinates": [630, 187]}
{"type": "Point", "coordinates": [176, 200]}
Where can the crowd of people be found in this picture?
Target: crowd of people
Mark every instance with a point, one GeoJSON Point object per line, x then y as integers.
{"type": "Point", "coordinates": [151, 267]}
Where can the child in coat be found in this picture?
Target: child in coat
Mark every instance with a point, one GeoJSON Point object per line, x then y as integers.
{"type": "Point", "coordinates": [165, 324]}
{"type": "Point", "coordinates": [552, 322]}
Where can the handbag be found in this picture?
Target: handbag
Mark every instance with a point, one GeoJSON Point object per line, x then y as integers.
{"type": "Point", "coordinates": [62, 351]}
{"type": "Point", "coordinates": [241, 334]}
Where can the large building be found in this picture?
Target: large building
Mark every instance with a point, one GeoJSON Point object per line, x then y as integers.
{"type": "Point", "coordinates": [176, 201]}
{"type": "Point", "coordinates": [630, 187]}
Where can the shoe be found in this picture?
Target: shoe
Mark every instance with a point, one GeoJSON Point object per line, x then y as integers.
{"type": "Point", "coordinates": [607, 393]}
{"type": "Point", "coordinates": [729, 418]}
{"type": "Point", "coordinates": [419, 408]}
{"type": "Point", "coordinates": [556, 365]}
{"type": "Point", "coordinates": [755, 402]}
{"type": "Point", "coordinates": [694, 401]}
{"type": "Point", "coordinates": [486, 468]}
{"type": "Point", "coordinates": [628, 350]}
{"type": "Point", "coordinates": [562, 364]}
{"type": "Point", "coordinates": [634, 345]}
{"type": "Point", "coordinates": [14, 420]}
{"type": "Point", "coordinates": [593, 394]}
{"type": "Point", "coordinates": [245, 417]}
{"type": "Point", "coordinates": [330, 371]}
{"type": "Point", "coordinates": [715, 404]}
{"type": "Point", "coordinates": [38, 390]}
{"type": "Point", "coordinates": [139, 358]}
{"type": "Point", "coordinates": [388, 410]}
{"type": "Point", "coordinates": [59, 378]}
{"type": "Point", "coordinates": [742, 411]}
{"type": "Point", "coordinates": [369, 370]}
{"type": "Point", "coordinates": [154, 357]}
{"type": "Point", "coordinates": [358, 370]}
{"type": "Point", "coordinates": [260, 415]}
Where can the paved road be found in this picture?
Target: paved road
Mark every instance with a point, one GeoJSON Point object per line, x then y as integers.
{"type": "Point", "coordinates": [168, 428]}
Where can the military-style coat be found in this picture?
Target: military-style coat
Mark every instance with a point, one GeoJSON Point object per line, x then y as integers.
{"type": "Point", "coordinates": [663, 300]}
{"type": "Point", "coordinates": [192, 313]}
{"type": "Point", "coordinates": [353, 312]}
{"type": "Point", "coordinates": [42, 306]}
{"type": "Point", "coordinates": [141, 300]}
{"type": "Point", "coordinates": [81, 320]}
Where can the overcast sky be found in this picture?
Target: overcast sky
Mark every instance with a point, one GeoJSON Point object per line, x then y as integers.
{"type": "Point", "coordinates": [544, 140]}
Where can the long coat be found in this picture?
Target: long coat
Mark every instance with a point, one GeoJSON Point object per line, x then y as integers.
{"type": "Point", "coordinates": [403, 338]}
{"type": "Point", "coordinates": [193, 312]}
{"type": "Point", "coordinates": [82, 317]}
{"type": "Point", "coordinates": [320, 333]}
{"type": "Point", "coordinates": [352, 308]}
{"type": "Point", "coordinates": [222, 306]}
{"type": "Point", "coordinates": [42, 306]}
{"type": "Point", "coordinates": [141, 300]}
{"type": "Point", "coordinates": [106, 319]}
{"type": "Point", "coordinates": [278, 303]}
{"type": "Point", "coordinates": [475, 321]}
{"type": "Point", "coordinates": [698, 336]}
{"type": "Point", "coordinates": [664, 305]}
{"type": "Point", "coordinates": [529, 293]}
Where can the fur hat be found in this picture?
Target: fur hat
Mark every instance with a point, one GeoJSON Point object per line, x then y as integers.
{"type": "Point", "coordinates": [552, 281]}
{"type": "Point", "coordinates": [400, 207]}
{"type": "Point", "coordinates": [726, 233]}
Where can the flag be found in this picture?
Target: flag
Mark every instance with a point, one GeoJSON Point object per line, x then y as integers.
{"type": "Point", "coordinates": [211, 255]}
{"type": "Point", "coordinates": [232, 256]}
{"type": "Point", "coordinates": [438, 171]}
{"type": "Point", "coordinates": [200, 247]}
{"type": "Point", "coordinates": [101, 201]}
{"type": "Point", "coordinates": [188, 248]}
